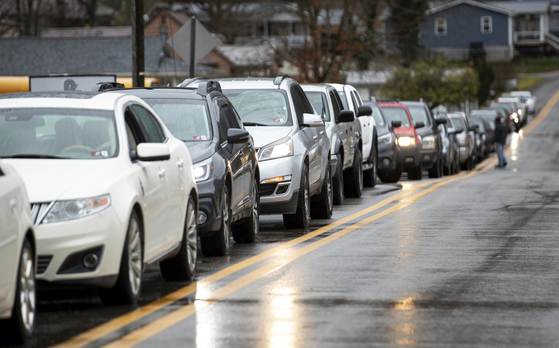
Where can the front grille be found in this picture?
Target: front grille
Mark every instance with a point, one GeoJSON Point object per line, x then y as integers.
{"type": "Point", "coordinates": [38, 212]}
{"type": "Point", "coordinates": [267, 189]}
{"type": "Point", "coordinates": [42, 263]}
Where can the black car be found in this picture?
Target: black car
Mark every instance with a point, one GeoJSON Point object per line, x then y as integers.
{"type": "Point", "coordinates": [223, 157]}
{"type": "Point", "coordinates": [390, 159]}
{"type": "Point", "coordinates": [431, 141]}
{"type": "Point", "coordinates": [484, 136]}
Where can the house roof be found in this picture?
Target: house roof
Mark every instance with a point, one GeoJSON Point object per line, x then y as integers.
{"type": "Point", "coordinates": [488, 6]}
{"type": "Point", "coordinates": [522, 7]}
{"type": "Point", "coordinates": [248, 55]}
{"type": "Point", "coordinates": [28, 56]}
{"type": "Point", "coordinates": [86, 31]}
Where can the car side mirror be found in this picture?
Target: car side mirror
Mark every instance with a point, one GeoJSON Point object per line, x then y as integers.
{"type": "Point", "coordinates": [364, 110]}
{"type": "Point", "coordinates": [396, 123]}
{"type": "Point", "coordinates": [440, 120]}
{"type": "Point", "coordinates": [237, 136]}
{"type": "Point", "coordinates": [458, 130]}
{"type": "Point", "coordinates": [312, 120]}
{"type": "Point", "coordinates": [474, 128]}
{"type": "Point", "coordinates": [346, 116]}
{"type": "Point", "coordinates": [419, 124]}
{"type": "Point", "coordinates": [151, 152]}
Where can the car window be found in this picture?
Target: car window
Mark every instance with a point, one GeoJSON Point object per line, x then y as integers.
{"type": "Point", "coordinates": [307, 107]}
{"type": "Point", "coordinates": [336, 104]}
{"type": "Point", "coordinates": [354, 102]}
{"type": "Point", "coordinates": [299, 111]}
{"type": "Point", "coordinates": [267, 107]}
{"type": "Point", "coordinates": [58, 132]}
{"type": "Point", "coordinates": [187, 120]}
{"type": "Point", "coordinates": [419, 114]}
{"type": "Point", "coordinates": [357, 98]}
{"type": "Point", "coordinates": [377, 115]}
{"type": "Point", "coordinates": [458, 122]}
{"type": "Point", "coordinates": [151, 125]}
{"type": "Point", "coordinates": [320, 104]}
{"type": "Point", "coordinates": [396, 114]}
{"type": "Point", "coordinates": [344, 99]}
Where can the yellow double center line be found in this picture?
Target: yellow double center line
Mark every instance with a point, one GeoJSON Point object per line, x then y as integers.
{"type": "Point", "coordinates": [184, 312]}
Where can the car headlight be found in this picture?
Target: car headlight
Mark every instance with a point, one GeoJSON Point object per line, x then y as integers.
{"type": "Point", "coordinates": [406, 141]}
{"type": "Point", "coordinates": [78, 208]}
{"type": "Point", "coordinates": [513, 116]}
{"type": "Point", "coordinates": [385, 139]}
{"type": "Point", "coordinates": [461, 140]}
{"type": "Point", "coordinates": [203, 170]}
{"type": "Point", "coordinates": [520, 112]}
{"type": "Point", "coordinates": [428, 142]}
{"type": "Point", "coordinates": [279, 149]}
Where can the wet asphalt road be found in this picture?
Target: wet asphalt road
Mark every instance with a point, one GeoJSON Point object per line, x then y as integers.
{"type": "Point", "coordinates": [469, 261]}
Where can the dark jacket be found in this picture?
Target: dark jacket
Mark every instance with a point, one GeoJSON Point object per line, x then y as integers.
{"type": "Point", "coordinates": [500, 133]}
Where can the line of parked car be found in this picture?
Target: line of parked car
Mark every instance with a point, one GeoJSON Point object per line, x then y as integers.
{"type": "Point", "coordinates": [96, 186]}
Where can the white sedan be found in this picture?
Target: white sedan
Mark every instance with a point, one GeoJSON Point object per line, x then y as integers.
{"type": "Point", "coordinates": [111, 189]}
{"type": "Point", "coordinates": [17, 259]}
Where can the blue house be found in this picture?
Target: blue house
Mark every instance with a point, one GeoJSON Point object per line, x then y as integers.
{"type": "Point", "coordinates": [464, 28]}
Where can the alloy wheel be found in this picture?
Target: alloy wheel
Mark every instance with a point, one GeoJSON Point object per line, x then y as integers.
{"type": "Point", "coordinates": [191, 238]}
{"type": "Point", "coordinates": [135, 256]}
{"type": "Point", "coordinates": [226, 217]}
{"type": "Point", "coordinates": [27, 289]}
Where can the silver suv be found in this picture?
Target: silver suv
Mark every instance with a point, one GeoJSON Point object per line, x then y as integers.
{"type": "Point", "coordinates": [344, 131]}
{"type": "Point", "coordinates": [293, 149]}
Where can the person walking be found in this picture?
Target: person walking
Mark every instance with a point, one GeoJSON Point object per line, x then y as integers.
{"type": "Point", "coordinates": [500, 141]}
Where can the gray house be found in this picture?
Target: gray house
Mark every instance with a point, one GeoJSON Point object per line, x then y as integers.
{"type": "Point", "coordinates": [464, 28]}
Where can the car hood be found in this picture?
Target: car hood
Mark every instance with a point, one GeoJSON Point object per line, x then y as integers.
{"type": "Point", "coordinates": [47, 180]}
{"type": "Point", "coordinates": [199, 151]}
{"type": "Point", "coordinates": [265, 135]}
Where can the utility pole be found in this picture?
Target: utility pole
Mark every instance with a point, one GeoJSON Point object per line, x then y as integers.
{"type": "Point", "coordinates": [138, 64]}
{"type": "Point", "coordinates": [192, 44]}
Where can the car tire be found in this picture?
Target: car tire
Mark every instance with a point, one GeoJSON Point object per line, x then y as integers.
{"type": "Point", "coordinates": [338, 182]}
{"type": "Point", "coordinates": [323, 205]}
{"type": "Point", "coordinates": [183, 265]}
{"type": "Point", "coordinates": [415, 173]}
{"type": "Point", "coordinates": [353, 180]}
{"type": "Point", "coordinates": [19, 328]}
{"type": "Point", "coordinates": [302, 215]}
{"type": "Point", "coordinates": [219, 243]}
{"type": "Point", "coordinates": [129, 282]}
{"type": "Point", "coordinates": [247, 230]}
{"type": "Point", "coordinates": [437, 170]}
{"type": "Point", "coordinates": [370, 176]}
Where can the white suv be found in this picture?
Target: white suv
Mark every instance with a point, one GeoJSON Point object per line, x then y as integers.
{"type": "Point", "coordinates": [111, 189]}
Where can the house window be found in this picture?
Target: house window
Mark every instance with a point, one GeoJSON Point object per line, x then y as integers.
{"type": "Point", "coordinates": [440, 26]}
{"type": "Point", "coordinates": [486, 25]}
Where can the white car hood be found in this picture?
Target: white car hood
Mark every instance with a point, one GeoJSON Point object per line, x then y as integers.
{"type": "Point", "coordinates": [265, 135]}
{"type": "Point", "coordinates": [47, 180]}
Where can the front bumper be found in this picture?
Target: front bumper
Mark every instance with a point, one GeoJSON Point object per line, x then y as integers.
{"type": "Point", "coordinates": [280, 197]}
{"type": "Point", "coordinates": [411, 156]}
{"type": "Point", "coordinates": [208, 201]}
{"type": "Point", "coordinates": [60, 242]}
{"type": "Point", "coordinates": [428, 158]}
{"type": "Point", "coordinates": [464, 154]}
{"type": "Point", "coordinates": [387, 157]}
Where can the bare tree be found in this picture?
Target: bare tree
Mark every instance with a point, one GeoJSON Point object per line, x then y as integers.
{"type": "Point", "coordinates": [328, 43]}
{"type": "Point", "coordinates": [90, 7]}
{"type": "Point", "coordinates": [27, 15]}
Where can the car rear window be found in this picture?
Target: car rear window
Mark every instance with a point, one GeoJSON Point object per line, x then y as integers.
{"type": "Point", "coordinates": [267, 107]}
{"type": "Point", "coordinates": [320, 104]}
{"type": "Point", "coordinates": [396, 114]}
{"type": "Point", "coordinates": [458, 122]}
{"type": "Point", "coordinates": [187, 120]}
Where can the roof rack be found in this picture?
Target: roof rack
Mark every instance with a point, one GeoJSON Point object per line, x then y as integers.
{"type": "Point", "coordinates": [278, 80]}
{"type": "Point", "coordinates": [188, 81]}
{"type": "Point", "coordinates": [388, 101]}
{"type": "Point", "coordinates": [104, 86]}
{"type": "Point", "coordinates": [206, 87]}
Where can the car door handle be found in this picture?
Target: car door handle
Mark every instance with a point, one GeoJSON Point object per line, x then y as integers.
{"type": "Point", "coordinates": [241, 154]}
{"type": "Point", "coordinates": [315, 137]}
{"type": "Point", "coordinates": [161, 173]}
{"type": "Point", "coordinates": [321, 132]}
{"type": "Point", "coordinates": [180, 163]}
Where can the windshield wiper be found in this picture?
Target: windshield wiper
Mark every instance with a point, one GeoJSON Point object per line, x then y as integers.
{"type": "Point", "coordinates": [254, 124]}
{"type": "Point", "coordinates": [33, 156]}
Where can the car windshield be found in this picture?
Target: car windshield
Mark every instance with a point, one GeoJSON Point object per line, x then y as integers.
{"type": "Point", "coordinates": [488, 118]}
{"type": "Point", "coordinates": [504, 105]}
{"type": "Point", "coordinates": [344, 99]}
{"type": "Point", "coordinates": [261, 107]}
{"type": "Point", "coordinates": [418, 114]}
{"type": "Point", "coordinates": [187, 120]}
{"type": "Point", "coordinates": [483, 112]}
{"type": "Point", "coordinates": [458, 122]}
{"type": "Point", "coordinates": [320, 104]}
{"type": "Point", "coordinates": [65, 133]}
{"type": "Point", "coordinates": [478, 123]}
{"type": "Point", "coordinates": [396, 114]}
{"type": "Point", "coordinates": [377, 115]}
